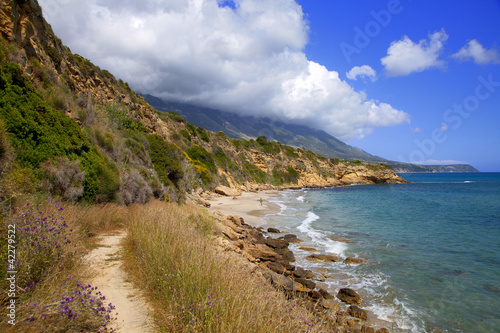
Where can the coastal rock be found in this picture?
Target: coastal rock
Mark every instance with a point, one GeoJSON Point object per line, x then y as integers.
{"type": "Point", "coordinates": [276, 243]}
{"type": "Point", "coordinates": [286, 255]}
{"type": "Point", "coordinates": [301, 273]}
{"type": "Point", "coordinates": [351, 260]}
{"type": "Point", "coordinates": [227, 191]}
{"type": "Point", "coordinates": [276, 267]}
{"type": "Point", "coordinates": [357, 312]}
{"type": "Point", "coordinates": [383, 330]}
{"type": "Point", "coordinates": [325, 294]}
{"type": "Point", "coordinates": [263, 253]}
{"type": "Point", "coordinates": [349, 296]}
{"type": "Point", "coordinates": [279, 281]}
{"type": "Point", "coordinates": [307, 283]}
{"type": "Point", "coordinates": [329, 304]}
{"type": "Point", "coordinates": [322, 258]}
{"type": "Point", "coordinates": [367, 329]}
{"type": "Point", "coordinates": [291, 238]}
{"type": "Point", "coordinates": [229, 233]}
{"type": "Point", "coordinates": [308, 249]}
{"type": "Point", "coordinates": [273, 230]}
{"type": "Point", "coordinates": [300, 288]}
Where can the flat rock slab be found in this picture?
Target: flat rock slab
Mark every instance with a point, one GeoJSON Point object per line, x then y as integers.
{"type": "Point", "coordinates": [323, 258]}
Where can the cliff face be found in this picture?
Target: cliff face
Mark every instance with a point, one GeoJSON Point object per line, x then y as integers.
{"type": "Point", "coordinates": [121, 125]}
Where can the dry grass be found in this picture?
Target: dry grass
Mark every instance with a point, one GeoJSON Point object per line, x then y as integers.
{"type": "Point", "coordinates": [192, 286]}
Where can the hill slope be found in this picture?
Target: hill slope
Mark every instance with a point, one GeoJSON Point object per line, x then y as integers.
{"type": "Point", "coordinates": [74, 130]}
{"type": "Point", "coordinates": [236, 126]}
{"type": "Point", "coordinates": [320, 142]}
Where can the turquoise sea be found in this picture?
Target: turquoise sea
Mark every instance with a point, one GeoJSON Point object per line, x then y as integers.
{"type": "Point", "coordinates": [433, 247]}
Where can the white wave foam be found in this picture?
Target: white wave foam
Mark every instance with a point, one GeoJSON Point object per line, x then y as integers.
{"type": "Point", "coordinates": [320, 238]}
{"type": "Point", "coordinates": [301, 198]}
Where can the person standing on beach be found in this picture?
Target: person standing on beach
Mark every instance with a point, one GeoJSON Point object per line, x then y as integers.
{"type": "Point", "coordinates": [260, 201]}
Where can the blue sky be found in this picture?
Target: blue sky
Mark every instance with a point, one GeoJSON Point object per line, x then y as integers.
{"type": "Point", "coordinates": [427, 95]}
{"type": "Point", "coordinates": [415, 81]}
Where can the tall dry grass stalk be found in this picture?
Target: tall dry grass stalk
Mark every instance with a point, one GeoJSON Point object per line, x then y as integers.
{"type": "Point", "coordinates": [193, 286]}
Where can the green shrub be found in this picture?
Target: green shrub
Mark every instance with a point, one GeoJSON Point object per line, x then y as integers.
{"type": "Point", "coordinates": [101, 181]}
{"type": "Point", "coordinates": [185, 134]}
{"type": "Point", "coordinates": [122, 120]}
{"type": "Point", "coordinates": [202, 133]}
{"type": "Point", "coordinates": [267, 146]}
{"type": "Point", "coordinates": [191, 128]}
{"type": "Point", "coordinates": [37, 131]}
{"type": "Point", "coordinates": [176, 117]}
{"type": "Point", "coordinates": [201, 156]}
{"type": "Point", "coordinates": [166, 159]}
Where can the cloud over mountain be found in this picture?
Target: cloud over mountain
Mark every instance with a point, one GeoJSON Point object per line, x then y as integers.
{"type": "Point", "coordinates": [405, 56]}
{"type": "Point", "coordinates": [244, 56]}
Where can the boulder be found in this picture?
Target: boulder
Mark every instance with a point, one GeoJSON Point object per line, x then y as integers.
{"type": "Point", "coordinates": [300, 288]}
{"type": "Point", "coordinates": [329, 304]}
{"type": "Point", "coordinates": [367, 329]}
{"type": "Point", "coordinates": [229, 233]}
{"type": "Point", "coordinates": [263, 253]}
{"type": "Point", "coordinates": [351, 260]}
{"type": "Point", "coordinates": [299, 272]}
{"type": "Point", "coordinates": [322, 258]}
{"type": "Point", "coordinates": [276, 243]}
{"type": "Point", "coordinates": [349, 296]}
{"type": "Point", "coordinates": [325, 294]}
{"type": "Point", "coordinates": [227, 191]}
{"type": "Point", "coordinates": [315, 295]}
{"type": "Point", "coordinates": [279, 281]}
{"type": "Point", "coordinates": [286, 255]}
{"type": "Point", "coordinates": [276, 267]}
{"type": "Point", "coordinates": [307, 283]}
{"type": "Point", "coordinates": [357, 312]}
{"type": "Point", "coordinates": [383, 330]}
{"type": "Point", "coordinates": [273, 230]}
{"type": "Point", "coordinates": [291, 238]}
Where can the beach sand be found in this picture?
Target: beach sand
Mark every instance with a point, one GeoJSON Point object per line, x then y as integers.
{"type": "Point", "coordinates": [247, 206]}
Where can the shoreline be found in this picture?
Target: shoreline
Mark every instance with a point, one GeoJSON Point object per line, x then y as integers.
{"type": "Point", "coordinates": [247, 206]}
{"type": "Point", "coordinates": [252, 211]}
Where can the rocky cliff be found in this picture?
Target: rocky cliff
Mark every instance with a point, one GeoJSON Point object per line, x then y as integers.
{"type": "Point", "coordinates": [123, 130]}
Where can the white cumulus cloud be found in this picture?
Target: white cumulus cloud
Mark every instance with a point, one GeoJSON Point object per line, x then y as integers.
{"type": "Point", "coordinates": [405, 56]}
{"type": "Point", "coordinates": [243, 56]}
{"type": "Point", "coordinates": [475, 51]}
{"type": "Point", "coordinates": [364, 71]}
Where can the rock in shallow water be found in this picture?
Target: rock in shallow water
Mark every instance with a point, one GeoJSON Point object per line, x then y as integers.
{"type": "Point", "coordinates": [351, 260]}
{"type": "Point", "coordinates": [357, 312]}
{"type": "Point", "coordinates": [322, 258]}
{"type": "Point", "coordinates": [349, 296]}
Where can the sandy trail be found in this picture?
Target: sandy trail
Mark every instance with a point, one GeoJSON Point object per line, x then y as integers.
{"type": "Point", "coordinates": [106, 265]}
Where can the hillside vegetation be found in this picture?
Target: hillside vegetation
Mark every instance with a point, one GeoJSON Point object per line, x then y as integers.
{"type": "Point", "coordinates": [71, 132]}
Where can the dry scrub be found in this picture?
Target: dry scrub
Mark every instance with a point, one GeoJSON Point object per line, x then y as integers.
{"type": "Point", "coordinates": [193, 286]}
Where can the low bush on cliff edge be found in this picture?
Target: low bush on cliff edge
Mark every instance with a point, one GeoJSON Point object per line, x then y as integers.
{"type": "Point", "coordinates": [193, 286]}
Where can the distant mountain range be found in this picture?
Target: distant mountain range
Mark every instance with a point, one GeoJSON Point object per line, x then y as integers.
{"type": "Point", "coordinates": [318, 141]}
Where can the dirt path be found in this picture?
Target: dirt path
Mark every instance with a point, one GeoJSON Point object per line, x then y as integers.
{"type": "Point", "coordinates": [105, 261]}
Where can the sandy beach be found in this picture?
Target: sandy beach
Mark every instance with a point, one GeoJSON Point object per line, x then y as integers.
{"type": "Point", "coordinates": [247, 205]}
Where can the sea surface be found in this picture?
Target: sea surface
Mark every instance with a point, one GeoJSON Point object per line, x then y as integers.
{"type": "Point", "coordinates": [433, 247]}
